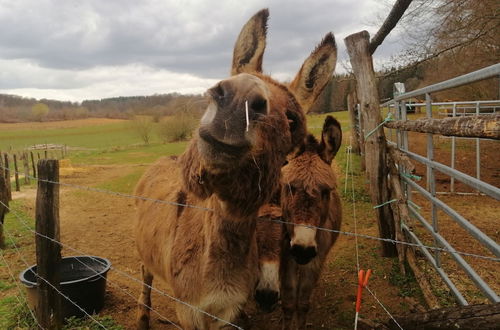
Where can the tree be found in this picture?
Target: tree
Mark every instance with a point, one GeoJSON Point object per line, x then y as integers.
{"type": "Point", "coordinates": [39, 111]}
{"type": "Point", "coordinates": [143, 126]}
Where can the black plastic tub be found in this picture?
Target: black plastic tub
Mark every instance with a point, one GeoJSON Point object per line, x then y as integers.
{"type": "Point", "coordinates": [83, 280]}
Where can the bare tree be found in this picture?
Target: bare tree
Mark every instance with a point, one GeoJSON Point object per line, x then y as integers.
{"type": "Point", "coordinates": [143, 126]}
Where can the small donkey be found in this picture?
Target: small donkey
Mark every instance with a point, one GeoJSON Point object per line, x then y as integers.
{"type": "Point", "coordinates": [308, 198]}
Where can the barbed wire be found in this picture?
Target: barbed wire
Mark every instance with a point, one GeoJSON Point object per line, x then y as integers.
{"type": "Point", "coordinates": [51, 285]}
{"type": "Point", "coordinates": [117, 285]}
{"type": "Point", "coordinates": [350, 165]}
{"type": "Point", "coordinates": [109, 192]}
{"type": "Point", "coordinates": [122, 272]}
{"type": "Point", "coordinates": [384, 308]}
{"type": "Point", "coordinates": [11, 273]}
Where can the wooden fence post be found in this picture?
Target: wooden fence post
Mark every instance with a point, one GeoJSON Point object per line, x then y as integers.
{"type": "Point", "coordinates": [375, 145]}
{"type": "Point", "coordinates": [7, 175]}
{"type": "Point", "coordinates": [16, 173]}
{"type": "Point", "coordinates": [33, 163]}
{"type": "Point", "coordinates": [48, 253]}
{"type": "Point", "coordinates": [26, 167]}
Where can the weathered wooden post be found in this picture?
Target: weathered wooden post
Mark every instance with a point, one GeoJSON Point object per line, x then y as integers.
{"type": "Point", "coordinates": [26, 168]}
{"type": "Point", "coordinates": [7, 175]}
{"type": "Point", "coordinates": [358, 47]}
{"type": "Point", "coordinates": [16, 173]}
{"type": "Point", "coordinates": [33, 164]}
{"type": "Point", "coordinates": [48, 252]}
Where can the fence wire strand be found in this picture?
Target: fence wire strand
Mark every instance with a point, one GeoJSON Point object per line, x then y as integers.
{"type": "Point", "coordinates": [51, 285]}
{"type": "Point", "coordinates": [109, 192]}
{"type": "Point", "coordinates": [123, 273]}
{"type": "Point", "coordinates": [11, 273]}
{"type": "Point", "coordinates": [350, 166]}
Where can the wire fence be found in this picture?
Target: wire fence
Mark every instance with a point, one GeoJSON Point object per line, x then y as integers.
{"type": "Point", "coordinates": [130, 277]}
{"type": "Point", "coordinates": [130, 196]}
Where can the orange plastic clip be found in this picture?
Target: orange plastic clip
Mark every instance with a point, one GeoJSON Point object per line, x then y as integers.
{"type": "Point", "coordinates": [362, 282]}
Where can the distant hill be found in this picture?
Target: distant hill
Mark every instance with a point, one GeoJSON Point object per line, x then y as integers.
{"type": "Point", "coordinates": [15, 108]}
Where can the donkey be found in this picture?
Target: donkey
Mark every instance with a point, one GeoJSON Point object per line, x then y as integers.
{"type": "Point", "coordinates": [208, 255]}
{"type": "Point", "coordinates": [269, 238]}
{"type": "Point", "coordinates": [308, 198]}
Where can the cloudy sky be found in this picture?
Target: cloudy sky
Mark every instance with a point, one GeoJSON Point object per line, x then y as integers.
{"type": "Point", "coordinates": [90, 49]}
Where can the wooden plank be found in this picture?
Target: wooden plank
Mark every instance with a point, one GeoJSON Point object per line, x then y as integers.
{"type": "Point", "coordinates": [375, 145]}
{"type": "Point", "coordinates": [483, 126]}
{"type": "Point", "coordinates": [48, 253]}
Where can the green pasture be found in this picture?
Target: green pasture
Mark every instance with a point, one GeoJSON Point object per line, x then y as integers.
{"type": "Point", "coordinates": [93, 137]}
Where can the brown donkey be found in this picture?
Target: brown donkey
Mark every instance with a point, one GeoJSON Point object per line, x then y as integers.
{"type": "Point", "coordinates": [231, 167]}
{"type": "Point", "coordinates": [309, 197]}
{"type": "Point", "coordinates": [269, 241]}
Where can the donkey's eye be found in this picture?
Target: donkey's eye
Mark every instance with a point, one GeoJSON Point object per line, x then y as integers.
{"type": "Point", "coordinates": [259, 106]}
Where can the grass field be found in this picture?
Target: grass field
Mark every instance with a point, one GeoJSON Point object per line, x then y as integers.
{"type": "Point", "coordinates": [106, 141]}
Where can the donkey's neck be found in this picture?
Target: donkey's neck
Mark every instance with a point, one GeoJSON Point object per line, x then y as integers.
{"type": "Point", "coordinates": [230, 239]}
{"type": "Point", "coordinates": [242, 189]}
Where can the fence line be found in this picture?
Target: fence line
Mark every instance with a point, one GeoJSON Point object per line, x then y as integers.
{"type": "Point", "coordinates": [207, 209]}
{"type": "Point", "coordinates": [120, 272]}
{"type": "Point", "coordinates": [274, 220]}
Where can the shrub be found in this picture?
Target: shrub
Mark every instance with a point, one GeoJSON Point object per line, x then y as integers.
{"type": "Point", "coordinates": [178, 127]}
{"type": "Point", "coordinates": [143, 126]}
{"type": "Point", "coordinates": [39, 111]}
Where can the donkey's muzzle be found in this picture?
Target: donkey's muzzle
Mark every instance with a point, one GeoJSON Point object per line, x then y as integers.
{"type": "Point", "coordinates": [266, 299]}
{"type": "Point", "coordinates": [303, 254]}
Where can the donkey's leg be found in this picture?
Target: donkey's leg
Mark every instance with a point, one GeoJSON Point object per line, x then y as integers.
{"type": "Point", "coordinates": [144, 303]}
{"type": "Point", "coordinates": [308, 277]}
{"type": "Point", "coordinates": [288, 291]}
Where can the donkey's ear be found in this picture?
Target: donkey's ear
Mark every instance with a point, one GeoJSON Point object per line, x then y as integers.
{"type": "Point", "coordinates": [331, 139]}
{"type": "Point", "coordinates": [249, 48]}
{"type": "Point", "coordinates": [315, 73]}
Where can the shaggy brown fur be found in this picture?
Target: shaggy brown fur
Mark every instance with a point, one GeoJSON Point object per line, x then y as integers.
{"type": "Point", "coordinates": [309, 197]}
{"type": "Point", "coordinates": [209, 258]}
{"type": "Point", "coordinates": [269, 238]}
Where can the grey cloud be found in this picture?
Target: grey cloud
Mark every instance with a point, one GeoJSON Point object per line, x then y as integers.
{"type": "Point", "coordinates": [53, 39]}
{"type": "Point", "coordinates": [75, 34]}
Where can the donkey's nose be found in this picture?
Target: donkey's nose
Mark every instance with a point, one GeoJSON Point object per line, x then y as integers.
{"type": "Point", "coordinates": [266, 299]}
{"type": "Point", "coordinates": [303, 254]}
